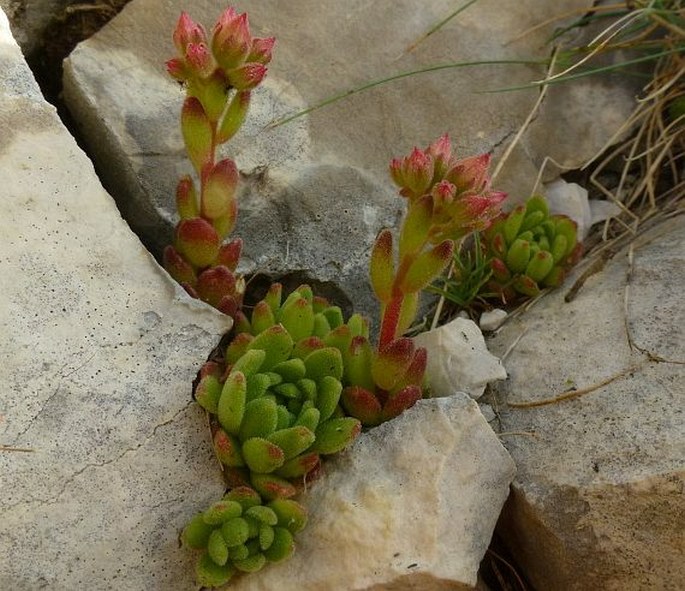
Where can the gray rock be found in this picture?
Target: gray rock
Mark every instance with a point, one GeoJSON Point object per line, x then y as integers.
{"type": "Point", "coordinates": [103, 455]}
{"type": "Point", "coordinates": [411, 505]}
{"type": "Point", "coordinates": [492, 319]}
{"type": "Point", "coordinates": [116, 87]}
{"type": "Point", "coordinates": [598, 501]}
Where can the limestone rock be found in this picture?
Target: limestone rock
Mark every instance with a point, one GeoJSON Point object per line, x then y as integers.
{"type": "Point", "coordinates": [492, 319]}
{"type": "Point", "coordinates": [571, 199]}
{"type": "Point", "coordinates": [411, 505]}
{"type": "Point", "coordinates": [598, 501]}
{"type": "Point", "coordinates": [458, 359]}
{"type": "Point", "coordinates": [118, 92]}
{"type": "Point", "coordinates": [103, 456]}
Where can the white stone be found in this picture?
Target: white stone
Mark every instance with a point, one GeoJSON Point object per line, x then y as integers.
{"type": "Point", "coordinates": [99, 350]}
{"type": "Point", "coordinates": [411, 505]}
{"type": "Point", "coordinates": [492, 319]}
{"type": "Point", "coordinates": [459, 360]}
{"type": "Point", "coordinates": [571, 199]}
{"type": "Point", "coordinates": [598, 501]}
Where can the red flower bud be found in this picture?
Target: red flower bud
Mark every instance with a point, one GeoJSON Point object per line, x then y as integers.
{"type": "Point", "coordinates": [246, 77]}
{"type": "Point", "coordinates": [187, 31]}
{"type": "Point", "coordinates": [261, 49]}
{"type": "Point", "coordinates": [413, 173]}
{"type": "Point", "coordinates": [231, 39]}
{"type": "Point", "coordinates": [441, 152]}
{"type": "Point", "coordinates": [177, 68]}
{"type": "Point", "coordinates": [470, 174]}
{"type": "Point", "coordinates": [199, 59]}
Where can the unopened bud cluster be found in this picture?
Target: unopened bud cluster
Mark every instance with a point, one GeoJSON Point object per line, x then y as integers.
{"type": "Point", "coordinates": [218, 74]}
{"type": "Point", "coordinates": [447, 199]}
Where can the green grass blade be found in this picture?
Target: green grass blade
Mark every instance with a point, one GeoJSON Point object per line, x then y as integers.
{"type": "Point", "coordinates": [374, 83]}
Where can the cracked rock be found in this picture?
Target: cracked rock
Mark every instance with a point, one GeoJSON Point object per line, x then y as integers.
{"type": "Point", "coordinates": [411, 505]}
{"type": "Point", "coordinates": [598, 501]}
{"type": "Point", "coordinates": [103, 458]}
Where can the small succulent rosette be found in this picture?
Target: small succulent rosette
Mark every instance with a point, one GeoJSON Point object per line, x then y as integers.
{"type": "Point", "coordinates": [275, 396]}
{"type": "Point", "coordinates": [530, 250]}
{"type": "Point", "coordinates": [241, 534]}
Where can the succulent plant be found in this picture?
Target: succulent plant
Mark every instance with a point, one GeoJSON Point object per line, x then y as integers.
{"type": "Point", "coordinates": [530, 249]}
{"type": "Point", "coordinates": [447, 199]}
{"type": "Point", "coordinates": [240, 533]}
{"type": "Point", "coordinates": [218, 75]}
{"type": "Point", "coordinates": [276, 394]}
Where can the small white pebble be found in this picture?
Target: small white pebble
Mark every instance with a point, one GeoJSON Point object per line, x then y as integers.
{"type": "Point", "coordinates": [492, 320]}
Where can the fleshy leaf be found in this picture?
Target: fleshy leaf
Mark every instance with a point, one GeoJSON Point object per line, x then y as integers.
{"type": "Point", "coordinates": [427, 267]}
{"type": "Point", "coordinates": [231, 407]}
{"type": "Point", "coordinates": [382, 266]}
{"type": "Point", "coordinates": [197, 133]}
{"type": "Point", "coordinates": [218, 189]}
{"type": "Point", "coordinates": [362, 404]}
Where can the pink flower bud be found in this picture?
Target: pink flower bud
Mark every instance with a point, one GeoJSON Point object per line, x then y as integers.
{"type": "Point", "coordinates": [199, 59]}
{"type": "Point", "coordinates": [413, 173]}
{"type": "Point", "coordinates": [187, 31]}
{"type": "Point", "coordinates": [231, 39]}
{"type": "Point", "coordinates": [246, 77]}
{"type": "Point", "coordinates": [261, 49]}
{"type": "Point", "coordinates": [470, 174]}
{"type": "Point", "coordinates": [441, 152]}
{"type": "Point", "coordinates": [177, 68]}
{"type": "Point", "coordinates": [443, 194]}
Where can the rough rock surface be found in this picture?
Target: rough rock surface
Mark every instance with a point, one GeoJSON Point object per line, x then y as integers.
{"type": "Point", "coordinates": [117, 89]}
{"type": "Point", "coordinates": [30, 19]}
{"type": "Point", "coordinates": [425, 519]}
{"type": "Point", "coordinates": [103, 457]}
{"type": "Point", "coordinates": [458, 359]}
{"type": "Point", "coordinates": [599, 498]}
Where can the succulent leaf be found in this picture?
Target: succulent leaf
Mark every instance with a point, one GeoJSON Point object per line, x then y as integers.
{"type": "Point", "coordinates": [292, 441]}
{"type": "Point", "coordinates": [328, 396]}
{"type": "Point", "coordinates": [197, 133]}
{"type": "Point", "coordinates": [227, 449]}
{"type": "Point", "coordinates": [231, 407]}
{"type": "Point", "coordinates": [222, 511]}
{"type": "Point", "coordinates": [262, 456]}
{"type": "Point", "coordinates": [326, 361]}
{"type": "Point", "coordinates": [210, 574]}
{"type": "Point", "coordinates": [335, 434]}
{"type": "Point", "coordinates": [391, 362]}
{"type": "Point", "coordinates": [426, 267]}
{"type": "Point", "coordinates": [417, 225]}
{"type": "Point", "coordinates": [217, 548]}
{"type": "Point", "coordinates": [382, 267]}
{"type": "Point", "coordinates": [196, 534]}
{"type": "Point", "coordinates": [276, 342]}
{"type": "Point", "coordinates": [297, 317]}
{"type": "Point", "coordinates": [208, 392]}
{"type": "Point", "coordinates": [281, 547]}
{"type": "Point", "coordinates": [362, 404]}
{"type": "Point", "coordinates": [235, 531]}
{"type": "Point", "coordinates": [260, 418]}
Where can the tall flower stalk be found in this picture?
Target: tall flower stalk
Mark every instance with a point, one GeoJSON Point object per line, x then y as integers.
{"type": "Point", "coordinates": [218, 74]}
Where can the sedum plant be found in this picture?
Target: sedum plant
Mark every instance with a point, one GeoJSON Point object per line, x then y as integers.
{"type": "Point", "coordinates": [446, 199]}
{"type": "Point", "coordinates": [275, 396]}
{"type": "Point", "coordinates": [219, 74]}
{"type": "Point", "coordinates": [530, 249]}
{"type": "Point", "coordinates": [241, 533]}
